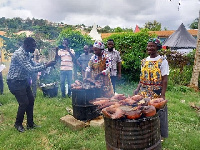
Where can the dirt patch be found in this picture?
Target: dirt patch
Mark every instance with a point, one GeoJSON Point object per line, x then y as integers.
{"type": "Point", "coordinates": [195, 106]}
{"type": "Point", "coordinates": [46, 143]}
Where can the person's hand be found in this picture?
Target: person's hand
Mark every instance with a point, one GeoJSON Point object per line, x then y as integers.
{"type": "Point", "coordinates": [51, 63]}
{"type": "Point", "coordinates": [135, 92]}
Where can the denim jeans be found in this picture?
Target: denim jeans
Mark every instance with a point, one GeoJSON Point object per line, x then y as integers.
{"type": "Point", "coordinates": [113, 80]}
{"type": "Point", "coordinates": [63, 75]}
{"type": "Point", "coordinates": [1, 83]}
{"type": "Point", "coordinates": [22, 91]}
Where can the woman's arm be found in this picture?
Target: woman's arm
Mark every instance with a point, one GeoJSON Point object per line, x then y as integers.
{"type": "Point", "coordinates": [164, 85]}
{"type": "Point", "coordinates": [135, 92]}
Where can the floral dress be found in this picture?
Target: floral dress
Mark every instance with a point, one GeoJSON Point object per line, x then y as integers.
{"type": "Point", "coordinates": [96, 66]}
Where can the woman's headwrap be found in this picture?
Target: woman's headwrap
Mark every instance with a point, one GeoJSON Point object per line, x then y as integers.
{"type": "Point", "coordinates": [156, 41]}
{"type": "Point", "coordinates": [99, 44]}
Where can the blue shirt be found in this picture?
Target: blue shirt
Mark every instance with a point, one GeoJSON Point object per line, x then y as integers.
{"type": "Point", "coordinates": [22, 66]}
{"type": "Point", "coordinates": [84, 59]}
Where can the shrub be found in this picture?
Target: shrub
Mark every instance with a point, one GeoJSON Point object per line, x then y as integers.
{"type": "Point", "coordinates": [181, 67]}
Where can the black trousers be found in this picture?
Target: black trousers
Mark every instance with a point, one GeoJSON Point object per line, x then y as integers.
{"type": "Point", "coordinates": [22, 91]}
{"type": "Point", "coordinates": [163, 115]}
{"type": "Point", "coordinates": [1, 83]}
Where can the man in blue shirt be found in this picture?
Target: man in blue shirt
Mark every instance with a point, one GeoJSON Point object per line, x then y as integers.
{"type": "Point", "coordinates": [18, 82]}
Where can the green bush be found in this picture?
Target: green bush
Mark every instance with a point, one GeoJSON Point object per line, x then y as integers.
{"type": "Point", "coordinates": [181, 77]}
{"type": "Point", "coordinates": [181, 67]}
{"type": "Point", "coordinates": [132, 47]}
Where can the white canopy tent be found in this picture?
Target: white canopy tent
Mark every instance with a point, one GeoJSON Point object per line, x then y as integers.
{"type": "Point", "coordinates": [94, 34]}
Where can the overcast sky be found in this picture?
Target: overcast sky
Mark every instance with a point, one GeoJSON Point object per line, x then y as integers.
{"type": "Point", "coordinates": [115, 13]}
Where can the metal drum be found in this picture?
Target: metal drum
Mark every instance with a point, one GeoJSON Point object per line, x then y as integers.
{"type": "Point", "coordinates": [129, 134]}
{"type": "Point", "coordinates": [82, 108]}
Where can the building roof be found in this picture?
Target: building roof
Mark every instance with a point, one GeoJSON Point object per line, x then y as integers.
{"type": "Point", "coordinates": [170, 32]}
{"type": "Point", "coordinates": [2, 33]}
{"type": "Point", "coordinates": [181, 38]}
{"type": "Point", "coordinates": [105, 35]}
{"type": "Point", "coordinates": [159, 33]}
{"type": "Point", "coordinates": [162, 33]}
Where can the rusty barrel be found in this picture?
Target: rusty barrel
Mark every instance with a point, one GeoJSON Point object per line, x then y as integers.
{"type": "Point", "coordinates": [126, 134]}
{"type": "Point", "coordinates": [82, 108]}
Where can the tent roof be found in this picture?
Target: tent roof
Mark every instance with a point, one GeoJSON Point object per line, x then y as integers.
{"type": "Point", "coordinates": [181, 38]}
{"type": "Point", "coordinates": [137, 29]}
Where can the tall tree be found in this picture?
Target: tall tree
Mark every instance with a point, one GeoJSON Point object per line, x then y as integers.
{"type": "Point", "coordinates": [153, 26]}
{"type": "Point", "coordinates": [194, 24]}
{"type": "Point", "coordinates": [118, 29]}
{"type": "Point", "coordinates": [106, 29]}
{"type": "Point", "coordinates": [196, 67]}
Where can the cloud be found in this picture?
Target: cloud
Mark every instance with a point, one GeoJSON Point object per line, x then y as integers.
{"type": "Point", "coordinates": [123, 13]}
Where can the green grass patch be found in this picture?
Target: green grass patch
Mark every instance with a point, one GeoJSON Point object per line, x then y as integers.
{"type": "Point", "coordinates": [184, 123]}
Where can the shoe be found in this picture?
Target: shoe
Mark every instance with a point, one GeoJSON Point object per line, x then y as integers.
{"type": "Point", "coordinates": [20, 128]}
{"type": "Point", "coordinates": [33, 126]}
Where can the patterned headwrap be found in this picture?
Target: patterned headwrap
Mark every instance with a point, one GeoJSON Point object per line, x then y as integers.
{"type": "Point", "coordinates": [156, 41]}
{"type": "Point", "coordinates": [99, 44]}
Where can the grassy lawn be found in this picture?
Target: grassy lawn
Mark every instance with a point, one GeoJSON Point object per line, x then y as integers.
{"type": "Point", "coordinates": [184, 124]}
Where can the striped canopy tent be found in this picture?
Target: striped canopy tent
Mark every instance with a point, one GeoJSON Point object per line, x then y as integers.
{"type": "Point", "coordinates": [180, 39]}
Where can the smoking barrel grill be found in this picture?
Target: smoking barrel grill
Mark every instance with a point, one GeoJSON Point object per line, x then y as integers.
{"type": "Point", "coordinates": [82, 108]}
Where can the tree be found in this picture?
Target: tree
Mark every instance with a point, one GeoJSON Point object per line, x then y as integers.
{"type": "Point", "coordinates": [194, 24]}
{"type": "Point", "coordinates": [153, 26]}
{"type": "Point", "coordinates": [106, 29]}
{"type": "Point", "coordinates": [13, 42]}
{"type": "Point", "coordinates": [196, 67]}
{"type": "Point", "coordinates": [47, 32]}
{"type": "Point", "coordinates": [3, 22]}
{"type": "Point", "coordinates": [118, 29]}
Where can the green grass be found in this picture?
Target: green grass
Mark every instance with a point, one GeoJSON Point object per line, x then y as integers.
{"type": "Point", "coordinates": [184, 124]}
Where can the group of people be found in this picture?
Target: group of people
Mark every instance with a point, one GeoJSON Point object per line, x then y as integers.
{"type": "Point", "coordinates": [91, 64]}
{"type": "Point", "coordinates": [103, 65]}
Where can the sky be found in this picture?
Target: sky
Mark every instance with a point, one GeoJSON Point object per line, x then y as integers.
{"type": "Point", "coordinates": [114, 13]}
